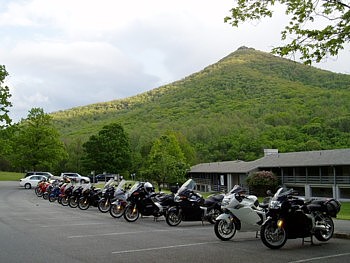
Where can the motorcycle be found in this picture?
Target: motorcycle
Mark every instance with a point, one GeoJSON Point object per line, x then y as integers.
{"type": "Point", "coordinates": [89, 197]}
{"type": "Point", "coordinates": [191, 206]}
{"type": "Point", "coordinates": [76, 194]}
{"type": "Point", "coordinates": [66, 193]}
{"type": "Point", "coordinates": [143, 200]}
{"type": "Point", "coordinates": [107, 194]}
{"type": "Point", "coordinates": [240, 212]}
{"type": "Point", "coordinates": [117, 207]}
{"type": "Point", "coordinates": [41, 187]}
{"type": "Point", "coordinates": [291, 217]}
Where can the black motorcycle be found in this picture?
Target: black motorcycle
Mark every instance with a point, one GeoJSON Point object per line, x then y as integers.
{"type": "Point", "coordinates": [191, 206]}
{"type": "Point", "coordinates": [107, 196]}
{"type": "Point", "coordinates": [90, 197]}
{"type": "Point", "coordinates": [143, 200]}
{"type": "Point", "coordinates": [291, 217]}
{"type": "Point", "coordinates": [76, 194]}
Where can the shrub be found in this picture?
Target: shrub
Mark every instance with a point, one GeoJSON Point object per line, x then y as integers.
{"type": "Point", "coordinates": [262, 181]}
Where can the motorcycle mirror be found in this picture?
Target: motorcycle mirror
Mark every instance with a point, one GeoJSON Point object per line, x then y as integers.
{"type": "Point", "coordinates": [268, 192]}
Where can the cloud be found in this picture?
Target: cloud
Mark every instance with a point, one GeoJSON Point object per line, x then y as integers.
{"type": "Point", "coordinates": [62, 53]}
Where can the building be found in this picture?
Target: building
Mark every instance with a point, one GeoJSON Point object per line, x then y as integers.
{"type": "Point", "coordinates": [323, 173]}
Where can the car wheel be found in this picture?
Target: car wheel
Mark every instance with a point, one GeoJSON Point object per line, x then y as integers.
{"type": "Point", "coordinates": [27, 186]}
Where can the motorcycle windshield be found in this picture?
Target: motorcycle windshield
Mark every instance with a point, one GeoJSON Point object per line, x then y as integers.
{"type": "Point", "coordinates": [136, 186]}
{"type": "Point", "coordinates": [236, 189]}
{"type": "Point", "coordinates": [109, 183]}
{"type": "Point", "coordinates": [121, 185]}
{"type": "Point", "coordinates": [190, 184]}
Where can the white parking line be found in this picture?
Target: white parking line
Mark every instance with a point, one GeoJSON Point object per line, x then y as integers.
{"type": "Point", "coordinates": [124, 233]}
{"type": "Point", "coordinates": [318, 258]}
{"type": "Point", "coordinates": [159, 248]}
{"type": "Point", "coordinates": [70, 224]}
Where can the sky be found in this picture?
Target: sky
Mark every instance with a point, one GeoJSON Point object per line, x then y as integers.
{"type": "Point", "coordinates": [62, 54]}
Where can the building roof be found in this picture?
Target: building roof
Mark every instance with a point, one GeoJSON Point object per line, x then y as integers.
{"type": "Point", "coordinates": [292, 159]}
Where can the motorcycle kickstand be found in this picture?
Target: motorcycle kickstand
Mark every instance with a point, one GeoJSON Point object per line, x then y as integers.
{"type": "Point", "coordinates": [306, 241]}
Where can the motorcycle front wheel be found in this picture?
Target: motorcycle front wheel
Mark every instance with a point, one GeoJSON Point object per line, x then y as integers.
{"type": "Point", "coordinates": [83, 203]}
{"type": "Point", "coordinates": [272, 236]}
{"type": "Point", "coordinates": [173, 218]}
{"type": "Point", "coordinates": [64, 200]}
{"type": "Point", "coordinates": [224, 230]}
{"type": "Point", "coordinates": [324, 228]}
{"type": "Point", "coordinates": [117, 210]}
{"type": "Point", "coordinates": [73, 202]}
{"type": "Point", "coordinates": [104, 205]}
{"type": "Point", "coordinates": [52, 198]}
{"type": "Point", "coordinates": [131, 213]}
{"type": "Point", "coordinates": [38, 191]}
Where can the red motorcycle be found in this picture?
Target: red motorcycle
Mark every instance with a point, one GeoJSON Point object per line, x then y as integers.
{"type": "Point", "coordinates": [40, 189]}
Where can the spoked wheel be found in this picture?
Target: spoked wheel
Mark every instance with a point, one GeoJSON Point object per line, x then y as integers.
{"type": "Point", "coordinates": [64, 200]}
{"type": "Point", "coordinates": [104, 205]}
{"type": "Point", "coordinates": [173, 217]}
{"type": "Point", "coordinates": [83, 203]}
{"type": "Point", "coordinates": [213, 214]}
{"type": "Point", "coordinates": [131, 213]}
{"type": "Point", "coordinates": [324, 228]}
{"type": "Point", "coordinates": [117, 210]}
{"type": "Point", "coordinates": [73, 202]}
{"type": "Point", "coordinates": [272, 236]}
{"type": "Point", "coordinates": [224, 230]}
{"type": "Point", "coordinates": [38, 191]}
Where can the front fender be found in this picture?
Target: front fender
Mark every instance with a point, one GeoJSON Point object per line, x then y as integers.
{"type": "Point", "coordinates": [268, 219]}
{"type": "Point", "coordinates": [226, 217]}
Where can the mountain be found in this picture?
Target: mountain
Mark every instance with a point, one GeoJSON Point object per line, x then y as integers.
{"type": "Point", "coordinates": [233, 109]}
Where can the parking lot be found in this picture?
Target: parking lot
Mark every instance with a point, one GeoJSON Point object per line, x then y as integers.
{"type": "Point", "coordinates": [35, 230]}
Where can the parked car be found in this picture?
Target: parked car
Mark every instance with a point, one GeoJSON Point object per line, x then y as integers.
{"type": "Point", "coordinates": [76, 177]}
{"type": "Point", "coordinates": [46, 174]}
{"type": "Point", "coordinates": [105, 177]}
{"type": "Point", "coordinates": [31, 181]}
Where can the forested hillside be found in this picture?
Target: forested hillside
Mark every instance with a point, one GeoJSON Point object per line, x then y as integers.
{"type": "Point", "coordinates": [233, 109]}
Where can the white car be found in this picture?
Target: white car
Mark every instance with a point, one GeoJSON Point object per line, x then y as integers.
{"type": "Point", "coordinates": [31, 181]}
{"type": "Point", "coordinates": [76, 177]}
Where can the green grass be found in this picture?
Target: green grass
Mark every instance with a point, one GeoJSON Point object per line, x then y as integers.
{"type": "Point", "coordinates": [10, 176]}
{"type": "Point", "coordinates": [344, 211]}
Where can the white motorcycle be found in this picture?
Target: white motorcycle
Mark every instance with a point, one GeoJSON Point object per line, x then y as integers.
{"type": "Point", "coordinates": [240, 212]}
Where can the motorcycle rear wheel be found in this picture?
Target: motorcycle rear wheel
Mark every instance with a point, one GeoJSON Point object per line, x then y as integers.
{"type": "Point", "coordinates": [131, 213]}
{"type": "Point", "coordinates": [213, 214]}
{"type": "Point", "coordinates": [83, 203]}
{"type": "Point", "coordinates": [104, 205]}
{"type": "Point", "coordinates": [173, 218]}
{"type": "Point", "coordinates": [272, 236]}
{"type": "Point", "coordinates": [223, 230]}
{"type": "Point", "coordinates": [117, 211]}
{"type": "Point", "coordinates": [326, 233]}
{"type": "Point", "coordinates": [46, 195]}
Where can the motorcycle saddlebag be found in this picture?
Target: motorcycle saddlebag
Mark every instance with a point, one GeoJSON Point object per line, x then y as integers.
{"type": "Point", "coordinates": [333, 207]}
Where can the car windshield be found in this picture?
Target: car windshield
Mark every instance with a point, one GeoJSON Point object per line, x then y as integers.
{"type": "Point", "coordinates": [190, 184]}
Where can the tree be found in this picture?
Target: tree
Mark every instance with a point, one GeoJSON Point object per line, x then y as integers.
{"type": "Point", "coordinates": [5, 120]}
{"type": "Point", "coordinates": [312, 38]}
{"type": "Point", "coordinates": [37, 142]}
{"type": "Point", "coordinates": [166, 160]}
{"type": "Point", "coordinates": [108, 151]}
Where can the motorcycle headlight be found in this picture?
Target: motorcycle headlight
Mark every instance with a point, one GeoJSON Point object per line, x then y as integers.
{"type": "Point", "coordinates": [274, 204]}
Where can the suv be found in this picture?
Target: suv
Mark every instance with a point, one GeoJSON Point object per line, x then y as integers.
{"type": "Point", "coordinates": [46, 174]}
{"type": "Point", "coordinates": [76, 177]}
